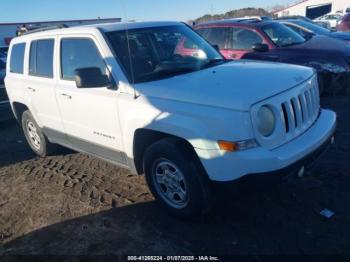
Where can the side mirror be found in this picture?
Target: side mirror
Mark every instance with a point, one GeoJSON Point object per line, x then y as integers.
{"type": "Point", "coordinates": [260, 47]}
{"type": "Point", "coordinates": [90, 77]}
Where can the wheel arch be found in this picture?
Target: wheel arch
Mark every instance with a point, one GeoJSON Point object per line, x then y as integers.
{"type": "Point", "coordinates": [143, 138]}
{"type": "Point", "coordinates": [18, 110]}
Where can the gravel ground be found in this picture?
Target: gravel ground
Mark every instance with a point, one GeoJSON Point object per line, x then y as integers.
{"type": "Point", "coordinates": [74, 204]}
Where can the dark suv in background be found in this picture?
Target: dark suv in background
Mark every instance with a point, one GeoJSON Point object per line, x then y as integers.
{"type": "Point", "coordinates": [307, 30]}
{"type": "Point", "coordinates": [344, 24]}
{"type": "Point", "coordinates": [2, 72]}
{"type": "Point", "coordinates": [5, 108]}
{"type": "Point", "coordinates": [273, 41]}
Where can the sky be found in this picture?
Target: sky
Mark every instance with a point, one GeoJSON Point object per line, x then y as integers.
{"type": "Point", "coordinates": [141, 10]}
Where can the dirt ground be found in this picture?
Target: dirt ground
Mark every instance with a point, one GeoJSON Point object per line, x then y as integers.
{"type": "Point", "coordinates": [74, 204]}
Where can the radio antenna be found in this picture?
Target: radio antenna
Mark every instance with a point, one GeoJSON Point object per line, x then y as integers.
{"type": "Point", "coordinates": [128, 45]}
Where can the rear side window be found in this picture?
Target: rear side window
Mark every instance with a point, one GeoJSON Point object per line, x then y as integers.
{"type": "Point", "coordinates": [17, 58]}
{"type": "Point", "coordinates": [79, 53]}
{"type": "Point", "coordinates": [41, 58]}
{"type": "Point", "coordinates": [217, 36]}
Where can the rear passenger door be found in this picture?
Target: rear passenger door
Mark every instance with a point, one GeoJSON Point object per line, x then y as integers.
{"type": "Point", "coordinates": [41, 83]}
{"type": "Point", "coordinates": [89, 115]}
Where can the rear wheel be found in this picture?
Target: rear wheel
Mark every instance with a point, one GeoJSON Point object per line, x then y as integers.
{"type": "Point", "coordinates": [35, 137]}
{"type": "Point", "coordinates": [177, 179]}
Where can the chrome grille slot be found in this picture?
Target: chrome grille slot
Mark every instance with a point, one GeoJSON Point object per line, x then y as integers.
{"type": "Point", "coordinates": [285, 117]}
{"type": "Point", "coordinates": [301, 110]}
{"type": "Point", "coordinates": [297, 112]}
{"type": "Point", "coordinates": [308, 105]}
{"type": "Point", "coordinates": [315, 100]}
{"type": "Point", "coordinates": [289, 116]}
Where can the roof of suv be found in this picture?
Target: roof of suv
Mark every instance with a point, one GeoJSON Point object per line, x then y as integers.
{"type": "Point", "coordinates": [134, 25]}
{"type": "Point", "coordinates": [108, 27]}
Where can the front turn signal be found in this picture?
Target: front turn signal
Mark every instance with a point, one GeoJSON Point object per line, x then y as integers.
{"type": "Point", "coordinates": [237, 146]}
{"type": "Point", "coordinates": [227, 146]}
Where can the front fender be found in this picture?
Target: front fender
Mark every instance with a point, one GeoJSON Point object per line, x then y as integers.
{"type": "Point", "coordinates": [202, 126]}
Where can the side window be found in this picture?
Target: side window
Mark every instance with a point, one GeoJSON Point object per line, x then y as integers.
{"type": "Point", "coordinates": [41, 58]}
{"type": "Point", "coordinates": [17, 58]}
{"type": "Point", "coordinates": [79, 53]}
{"type": "Point", "coordinates": [244, 39]}
{"type": "Point", "coordinates": [217, 36]}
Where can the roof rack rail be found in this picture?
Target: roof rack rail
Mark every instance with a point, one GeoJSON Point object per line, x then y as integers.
{"type": "Point", "coordinates": [251, 19]}
{"type": "Point", "coordinates": [41, 29]}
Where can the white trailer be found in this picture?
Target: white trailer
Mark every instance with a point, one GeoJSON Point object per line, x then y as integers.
{"type": "Point", "coordinates": [314, 8]}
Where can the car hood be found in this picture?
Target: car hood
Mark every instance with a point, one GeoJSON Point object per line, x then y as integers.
{"type": "Point", "coordinates": [234, 85]}
{"type": "Point", "coordinates": [322, 43]}
{"type": "Point", "coordinates": [341, 35]}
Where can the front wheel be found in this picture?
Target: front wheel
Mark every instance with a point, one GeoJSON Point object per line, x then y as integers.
{"type": "Point", "coordinates": [176, 178]}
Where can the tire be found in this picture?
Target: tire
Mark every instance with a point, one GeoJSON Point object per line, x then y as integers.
{"type": "Point", "coordinates": [35, 137]}
{"type": "Point", "coordinates": [190, 196]}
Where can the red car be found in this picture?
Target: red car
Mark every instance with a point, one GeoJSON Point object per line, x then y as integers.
{"type": "Point", "coordinates": [273, 41]}
{"type": "Point", "coordinates": [344, 24]}
{"type": "Point", "coordinates": [234, 39]}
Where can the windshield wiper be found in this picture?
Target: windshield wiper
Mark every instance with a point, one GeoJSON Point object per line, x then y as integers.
{"type": "Point", "coordinates": [214, 61]}
{"type": "Point", "coordinates": [166, 72]}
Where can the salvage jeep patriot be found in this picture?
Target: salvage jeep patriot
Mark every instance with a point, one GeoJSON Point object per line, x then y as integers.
{"type": "Point", "coordinates": [130, 94]}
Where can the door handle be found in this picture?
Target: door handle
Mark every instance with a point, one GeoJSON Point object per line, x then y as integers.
{"type": "Point", "coordinates": [66, 96]}
{"type": "Point", "coordinates": [31, 89]}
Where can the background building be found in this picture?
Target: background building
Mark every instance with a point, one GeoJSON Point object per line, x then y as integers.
{"type": "Point", "coordinates": [8, 30]}
{"type": "Point", "coordinates": [314, 8]}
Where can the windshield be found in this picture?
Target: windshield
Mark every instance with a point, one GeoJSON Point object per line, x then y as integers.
{"type": "Point", "coordinates": [159, 52]}
{"type": "Point", "coordinates": [281, 35]}
{"type": "Point", "coordinates": [313, 27]}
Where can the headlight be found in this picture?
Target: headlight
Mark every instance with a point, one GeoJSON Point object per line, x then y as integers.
{"type": "Point", "coordinates": [266, 121]}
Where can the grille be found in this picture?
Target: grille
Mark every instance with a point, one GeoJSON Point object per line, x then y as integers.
{"type": "Point", "coordinates": [300, 111]}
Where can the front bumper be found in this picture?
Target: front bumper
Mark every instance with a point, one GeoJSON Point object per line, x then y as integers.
{"type": "Point", "coordinates": [262, 181]}
{"type": "Point", "coordinates": [224, 167]}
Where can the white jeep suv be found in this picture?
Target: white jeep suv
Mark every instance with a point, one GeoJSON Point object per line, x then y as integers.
{"type": "Point", "coordinates": [156, 98]}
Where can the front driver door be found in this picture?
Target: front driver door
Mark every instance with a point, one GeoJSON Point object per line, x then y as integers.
{"type": "Point", "coordinates": [89, 115]}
